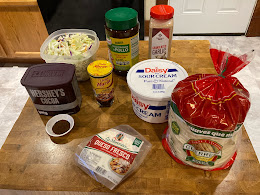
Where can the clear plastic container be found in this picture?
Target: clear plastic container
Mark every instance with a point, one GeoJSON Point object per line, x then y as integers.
{"type": "Point", "coordinates": [80, 61]}
{"type": "Point", "coordinates": [112, 155]}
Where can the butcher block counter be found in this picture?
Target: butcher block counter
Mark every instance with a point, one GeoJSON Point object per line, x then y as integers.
{"type": "Point", "coordinates": [31, 160]}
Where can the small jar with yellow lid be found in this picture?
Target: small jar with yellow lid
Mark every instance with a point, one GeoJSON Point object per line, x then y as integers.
{"type": "Point", "coordinates": [101, 78]}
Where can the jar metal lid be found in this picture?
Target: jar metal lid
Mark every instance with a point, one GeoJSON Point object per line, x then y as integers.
{"type": "Point", "coordinates": [121, 18]}
{"type": "Point", "coordinates": [162, 12]}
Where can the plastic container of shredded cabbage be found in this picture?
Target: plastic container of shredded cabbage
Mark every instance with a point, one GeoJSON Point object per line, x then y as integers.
{"type": "Point", "coordinates": [72, 46]}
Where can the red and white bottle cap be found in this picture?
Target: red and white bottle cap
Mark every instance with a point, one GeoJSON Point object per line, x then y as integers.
{"type": "Point", "coordinates": [162, 12]}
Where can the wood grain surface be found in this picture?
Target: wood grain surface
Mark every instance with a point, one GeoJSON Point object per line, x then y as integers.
{"type": "Point", "coordinates": [22, 31]}
{"type": "Point", "coordinates": [31, 160]}
{"type": "Point", "coordinates": [254, 26]}
{"type": "Point", "coordinates": [18, 2]}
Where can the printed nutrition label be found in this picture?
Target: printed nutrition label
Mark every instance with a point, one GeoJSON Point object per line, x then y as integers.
{"type": "Point", "coordinates": [135, 46]}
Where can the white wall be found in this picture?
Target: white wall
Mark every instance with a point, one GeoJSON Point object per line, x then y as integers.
{"type": "Point", "coordinates": [148, 4]}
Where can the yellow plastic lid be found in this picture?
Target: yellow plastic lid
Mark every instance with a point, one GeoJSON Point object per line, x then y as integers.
{"type": "Point", "coordinates": [100, 68]}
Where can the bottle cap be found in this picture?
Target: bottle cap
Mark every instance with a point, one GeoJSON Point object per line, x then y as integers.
{"type": "Point", "coordinates": [100, 68]}
{"type": "Point", "coordinates": [162, 12]}
{"type": "Point", "coordinates": [121, 18]}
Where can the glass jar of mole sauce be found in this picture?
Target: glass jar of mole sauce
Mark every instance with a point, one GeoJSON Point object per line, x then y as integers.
{"type": "Point", "coordinates": [122, 35]}
{"type": "Point", "coordinates": [53, 88]}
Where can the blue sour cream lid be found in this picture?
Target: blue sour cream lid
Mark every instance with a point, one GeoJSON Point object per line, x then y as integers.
{"type": "Point", "coordinates": [155, 79]}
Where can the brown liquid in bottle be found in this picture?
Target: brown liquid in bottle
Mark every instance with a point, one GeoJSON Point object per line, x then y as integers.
{"type": "Point", "coordinates": [121, 34]}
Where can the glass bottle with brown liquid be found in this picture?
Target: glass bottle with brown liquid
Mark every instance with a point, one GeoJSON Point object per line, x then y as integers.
{"type": "Point", "coordinates": [122, 35]}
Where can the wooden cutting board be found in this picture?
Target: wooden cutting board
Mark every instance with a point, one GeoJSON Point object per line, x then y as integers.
{"type": "Point", "coordinates": [31, 160]}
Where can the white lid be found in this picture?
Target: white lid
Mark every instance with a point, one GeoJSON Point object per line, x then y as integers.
{"type": "Point", "coordinates": [155, 79]}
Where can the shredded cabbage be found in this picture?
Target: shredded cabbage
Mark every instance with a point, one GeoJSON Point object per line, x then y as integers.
{"type": "Point", "coordinates": [70, 45]}
{"type": "Point", "coordinates": [72, 48]}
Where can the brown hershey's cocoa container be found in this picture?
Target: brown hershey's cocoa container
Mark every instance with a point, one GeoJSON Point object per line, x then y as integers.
{"type": "Point", "coordinates": [53, 88]}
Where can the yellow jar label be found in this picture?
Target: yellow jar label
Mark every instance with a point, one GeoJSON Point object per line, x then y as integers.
{"type": "Point", "coordinates": [101, 78]}
{"type": "Point", "coordinates": [103, 87]}
{"type": "Point", "coordinates": [123, 53]}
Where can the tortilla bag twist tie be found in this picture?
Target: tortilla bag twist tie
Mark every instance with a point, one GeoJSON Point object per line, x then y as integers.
{"type": "Point", "coordinates": [206, 114]}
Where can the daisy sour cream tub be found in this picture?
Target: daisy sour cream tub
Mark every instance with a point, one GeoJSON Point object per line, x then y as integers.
{"type": "Point", "coordinates": [151, 83]}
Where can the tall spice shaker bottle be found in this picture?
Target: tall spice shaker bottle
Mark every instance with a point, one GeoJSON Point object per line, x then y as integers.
{"type": "Point", "coordinates": [160, 31]}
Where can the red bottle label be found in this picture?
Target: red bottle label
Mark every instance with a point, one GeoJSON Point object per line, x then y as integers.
{"type": "Point", "coordinates": [160, 43]}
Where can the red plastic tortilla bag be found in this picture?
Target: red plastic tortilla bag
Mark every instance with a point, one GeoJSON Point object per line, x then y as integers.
{"type": "Point", "coordinates": [206, 114]}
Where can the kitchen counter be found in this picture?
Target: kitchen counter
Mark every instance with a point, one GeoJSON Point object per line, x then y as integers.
{"type": "Point", "coordinates": [31, 160]}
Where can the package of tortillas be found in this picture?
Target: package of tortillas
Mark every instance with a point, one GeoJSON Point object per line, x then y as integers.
{"type": "Point", "coordinates": [111, 156]}
{"type": "Point", "coordinates": [206, 115]}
